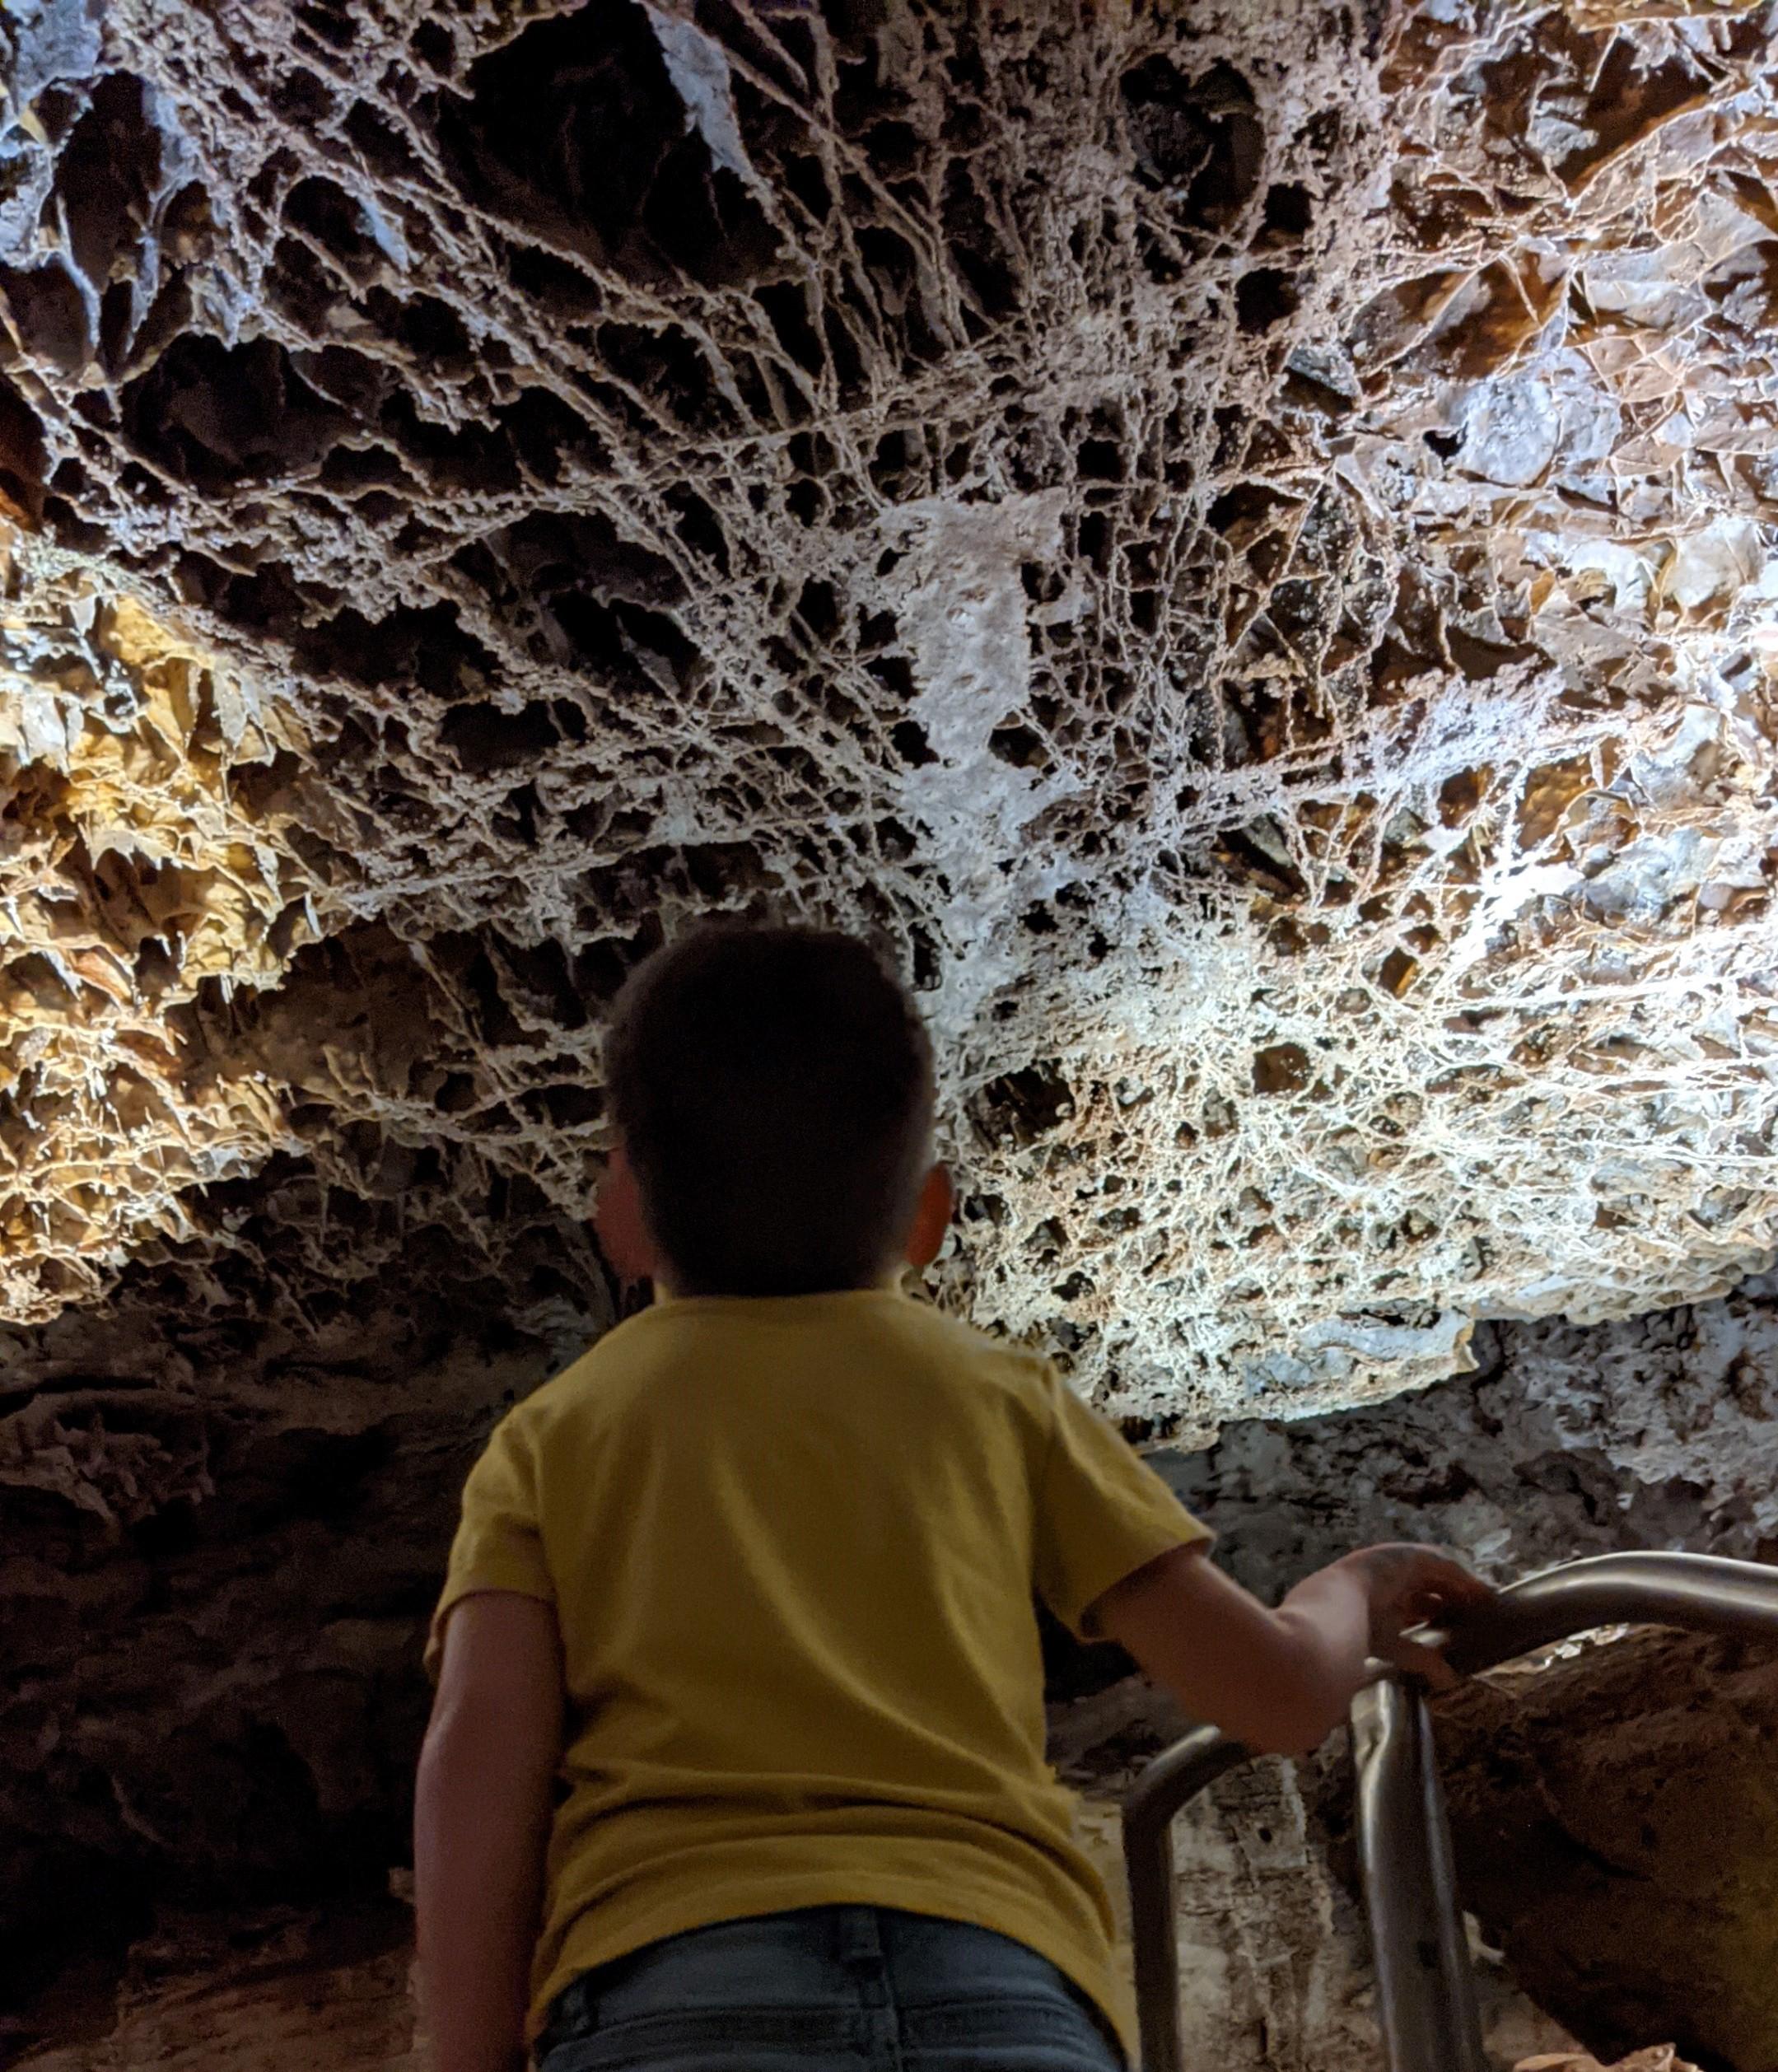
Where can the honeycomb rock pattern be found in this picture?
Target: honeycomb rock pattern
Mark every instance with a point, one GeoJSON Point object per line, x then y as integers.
{"type": "Point", "coordinates": [1237, 542]}
{"type": "Point", "coordinates": [131, 869]}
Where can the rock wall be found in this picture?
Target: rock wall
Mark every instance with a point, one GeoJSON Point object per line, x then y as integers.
{"type": "Point", "coordinates": [211, 1617]}
{"type": "Point", "coordinates": [286, 1991]}
{"type": "Point", "coordinates": [1658, 1431]}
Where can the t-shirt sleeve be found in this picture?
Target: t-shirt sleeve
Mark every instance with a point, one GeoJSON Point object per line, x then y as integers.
{"type": "Point", "coordinates": [1102, 1511]}
{"type": "Point", "coordinates": [499, 1544]}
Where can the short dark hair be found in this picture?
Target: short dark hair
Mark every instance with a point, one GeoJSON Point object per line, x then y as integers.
{"type": "Point", "coordinates": [773, 1089]}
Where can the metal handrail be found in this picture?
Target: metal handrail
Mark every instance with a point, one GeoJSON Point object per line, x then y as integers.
{"type": "Point", "coordinates": [1403, 1835]}
{"type": "Point", "coordinates": [1175, 1777]}
{"type": "Point", "coordinates": [1426, 2002]}
{"type": "Point", "coordinates": [1699, 1593]}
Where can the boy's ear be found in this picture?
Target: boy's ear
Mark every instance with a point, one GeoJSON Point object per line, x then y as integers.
{"type": "Point", "coordinates": [620, 1225]}
{"type": "Point", "coordinates": [931, 1220]}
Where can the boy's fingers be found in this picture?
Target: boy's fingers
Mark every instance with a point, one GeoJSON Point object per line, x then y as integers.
{"type": "Point", "coordinates": [1429, 1568]}
{"type": "Point", "coordinates": [1467, 1588]}
{"type": "Point", "coordinates": [1414, 1658]}
{"type": "Point", "coordinates": [1445, 1581]}
{"type": "Point", "coordinates": [1439, 1602]}
{"type": "Point", "coordinates": [1452, 1569]}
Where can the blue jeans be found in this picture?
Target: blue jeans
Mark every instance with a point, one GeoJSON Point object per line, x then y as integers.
{"type": "Point", "coordinates": [828, 1989]}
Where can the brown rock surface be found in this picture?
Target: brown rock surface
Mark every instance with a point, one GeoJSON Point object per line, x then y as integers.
{"type": "Point", "coordinates": [283, 1992]}
{"type": "Point", "coordinates": [1616, 1824]}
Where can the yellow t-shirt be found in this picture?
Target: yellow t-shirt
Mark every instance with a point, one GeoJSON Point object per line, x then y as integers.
{"type": "Point", "coordinates": [793, 1545]}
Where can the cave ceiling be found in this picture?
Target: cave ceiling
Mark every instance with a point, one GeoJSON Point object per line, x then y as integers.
{"type": "Point", "coordinates": [1238, 538]}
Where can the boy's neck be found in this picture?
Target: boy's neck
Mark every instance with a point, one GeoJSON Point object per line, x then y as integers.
{"type": "Point", "coordinates": [893, 1281]}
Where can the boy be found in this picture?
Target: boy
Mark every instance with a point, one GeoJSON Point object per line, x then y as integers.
{"type": "Point", "coordinates": [737, 1759]}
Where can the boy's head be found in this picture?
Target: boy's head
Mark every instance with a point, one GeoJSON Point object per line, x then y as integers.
{"type": "Point", "coordinates": [772, 1089]}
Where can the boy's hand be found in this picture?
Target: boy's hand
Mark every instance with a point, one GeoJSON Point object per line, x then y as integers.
{"type": "Point", "coordinates": [1282, 1681]}
{"type": "Point", "coordinates": [1411, 1587]}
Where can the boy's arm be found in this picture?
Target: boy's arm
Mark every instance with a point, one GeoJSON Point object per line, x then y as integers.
{"type": "Point", "coordinates": [1282, 1681]}
{"type": "Point", "coordinates": [481, 1827]}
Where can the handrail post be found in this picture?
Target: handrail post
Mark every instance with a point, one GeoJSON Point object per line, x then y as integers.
{"type": "Point", "coordinates": [1173, 1778]}
{"type": "Point", "coordinates": [1425, 1988]}
{"type": "Point", "coordinates": [1154, 1945]}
